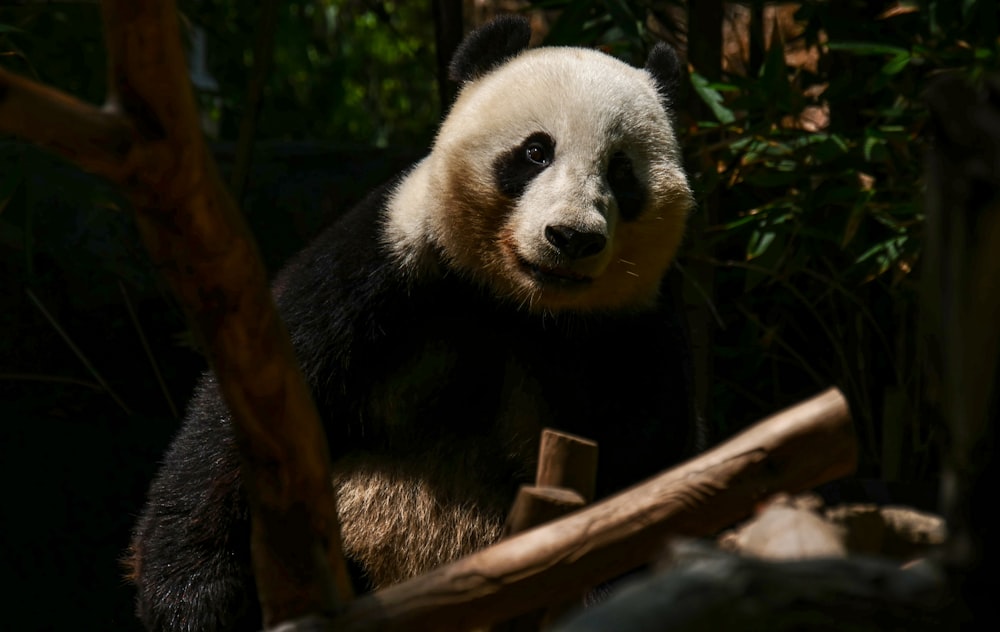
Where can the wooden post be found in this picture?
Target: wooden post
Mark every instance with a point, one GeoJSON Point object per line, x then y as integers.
{"type": "Point", "coordinates": [564, 481]}
{"type": "Point", "coordinates": [565, 460]}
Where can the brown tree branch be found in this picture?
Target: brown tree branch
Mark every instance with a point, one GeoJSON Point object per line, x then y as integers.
{"type": "Point", "coordinates": [97, 140]}
{"type": "Point", "coordinates": [791, 451]}
{"type": "Point", "coordinates": [152, 146]}
{"type": "Point", "coordinates": [194, 231]}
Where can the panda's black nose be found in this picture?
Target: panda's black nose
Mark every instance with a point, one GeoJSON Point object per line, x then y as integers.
{"type": "Point", "coordinates": [573, 243]}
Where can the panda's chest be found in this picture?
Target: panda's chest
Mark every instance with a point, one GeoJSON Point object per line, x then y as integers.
{"type": "Point", "coordinates": [468, 377]}
{"type": "Point", "coordinates": [456, 381]}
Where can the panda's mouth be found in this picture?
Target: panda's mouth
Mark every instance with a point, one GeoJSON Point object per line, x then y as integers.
{"type": "Point", "coordinates": [554, 275]}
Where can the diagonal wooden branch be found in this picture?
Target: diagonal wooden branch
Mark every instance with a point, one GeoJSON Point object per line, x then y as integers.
{"type": "Point", "coordinates": [794, 450]}
{"type": "Point", "coordinates": [148, 140]}
{"type": "Point", "coordinates": [97, 140]}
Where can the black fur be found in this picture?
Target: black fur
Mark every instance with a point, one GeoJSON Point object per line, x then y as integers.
{"type": "Point", "coordinates": [628, 191]}
{"type": "Point", "coordinates": [489, 47]}
{"type": "Point", "coordinates": [665, 67]}
{"type": "Point", "coordinates": [360, 331]}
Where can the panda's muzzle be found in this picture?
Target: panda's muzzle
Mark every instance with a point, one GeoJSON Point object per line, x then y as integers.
{"type": "Point", "coordinates": [569, 245]}
{"type": "Point", "coordinates": [575, 244]}
{"type": "Point", "coordinates": [553, 275]}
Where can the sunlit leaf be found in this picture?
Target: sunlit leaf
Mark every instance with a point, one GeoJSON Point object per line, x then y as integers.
{"type": "Point", "coordinates": [712, 98]}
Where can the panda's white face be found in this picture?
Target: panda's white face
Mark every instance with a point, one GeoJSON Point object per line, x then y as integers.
{"type": "Point", "coordinates": [555, 181]}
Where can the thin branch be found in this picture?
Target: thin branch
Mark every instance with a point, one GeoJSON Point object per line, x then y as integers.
{"type": "Point", "coordinates": [55, 379]}
{"type": "Point", "coordinates": [149, 352]}
{"type": "Point", "coordinates": [77, 351]}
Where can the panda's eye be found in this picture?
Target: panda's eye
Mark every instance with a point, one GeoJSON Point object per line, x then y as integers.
{"type": "Point", "coordinates": [515, 168]}
{"type": "Point", "coordinates": [537, 153]}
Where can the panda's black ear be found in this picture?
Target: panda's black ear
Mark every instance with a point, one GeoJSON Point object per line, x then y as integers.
{"type": "Point", "coordinates": [489, 46]}
{"type": "Point", "coordinates": [665, 67]}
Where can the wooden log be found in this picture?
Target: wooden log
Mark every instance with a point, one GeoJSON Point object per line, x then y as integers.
{"type": "Point", "coordinates": [794, 450]}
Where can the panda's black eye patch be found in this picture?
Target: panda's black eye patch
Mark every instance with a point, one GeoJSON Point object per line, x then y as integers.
{"type": "Point", "coordinates": [516, 168]}
{"type": "Point", "coordinates": [625, 186]}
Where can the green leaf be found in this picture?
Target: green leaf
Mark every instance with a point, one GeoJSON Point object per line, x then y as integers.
{"type": "Point", "coordinates": [830, 148]}
{"type": "Point", "coordinates": [739, 222]}
{"type": "Point", "coordinates": [712, 98]}
{"type": "Point", "coordinates": [623, 16]}
{"type": "Point", "coordinates": [759, 241]}
{"type": "Point", "coordinates": [874, 149]}
{"type": "Point", "coordinates": [566, 29]}
{"type": "Point", "coordinates": [868, 48]}
{"type": "Point", "coordinates": [884, 254]}
{"type": "Point", "coordinates": [897, 63]}
{"type": "Point", "coordinates": [7, 28]}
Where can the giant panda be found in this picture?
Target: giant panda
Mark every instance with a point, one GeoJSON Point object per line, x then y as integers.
{"type": "Point", "coordinates": [512, 279]}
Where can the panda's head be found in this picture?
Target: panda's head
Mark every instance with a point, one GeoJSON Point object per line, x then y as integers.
{"type": "Point", "coordinates": [555, 180]}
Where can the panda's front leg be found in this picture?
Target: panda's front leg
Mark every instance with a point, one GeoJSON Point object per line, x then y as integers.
{"type": "Point", "coordinates": [190, 553]}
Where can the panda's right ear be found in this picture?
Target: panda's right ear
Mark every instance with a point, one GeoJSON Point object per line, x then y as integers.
{"type": "Point", "coordinates": [489, 46]}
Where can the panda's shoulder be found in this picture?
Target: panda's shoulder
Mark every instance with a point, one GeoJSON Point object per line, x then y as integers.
{"type": "Point", "coordinates": [347, 256]}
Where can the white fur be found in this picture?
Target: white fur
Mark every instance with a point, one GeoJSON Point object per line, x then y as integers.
{"type": "Point", "coordinates": [593, 106]}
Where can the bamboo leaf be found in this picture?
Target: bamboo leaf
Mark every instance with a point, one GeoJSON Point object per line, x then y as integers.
{"type": "Point", "coordinates": [712, 98]}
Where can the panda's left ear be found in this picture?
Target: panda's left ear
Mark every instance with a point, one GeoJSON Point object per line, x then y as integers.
{"type": "Point", "coordinates": [489, 46]}
{"type": "Point", "coordinates": [665, 67]}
